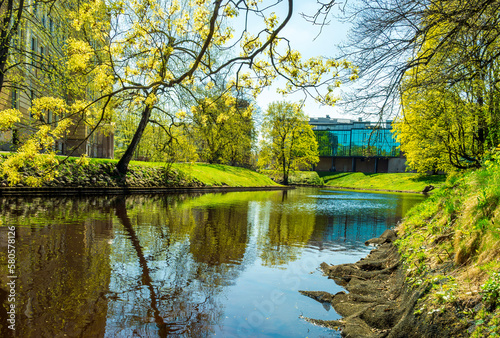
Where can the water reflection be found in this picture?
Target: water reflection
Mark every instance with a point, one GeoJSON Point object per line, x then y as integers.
{"type": "Point", "coordinates": [183, 265]}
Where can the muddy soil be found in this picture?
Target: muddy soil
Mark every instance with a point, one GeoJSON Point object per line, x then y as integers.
{"type": "Point", "coordinates": [378, 302]}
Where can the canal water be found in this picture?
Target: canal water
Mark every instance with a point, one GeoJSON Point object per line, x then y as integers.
{"type": "Point", "coordinates": [197, 265]}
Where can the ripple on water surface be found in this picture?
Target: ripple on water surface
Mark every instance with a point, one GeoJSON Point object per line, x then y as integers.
{"type": "Point", "coordinates": [229, 264]}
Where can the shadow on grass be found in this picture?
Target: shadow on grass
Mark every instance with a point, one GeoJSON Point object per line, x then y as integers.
{"type": "Point", "coordinates": [331, 176]}
{"type": "Point", "coordinates": [430, 178]}
{"type": "Point", "coordinates": [221, 167]}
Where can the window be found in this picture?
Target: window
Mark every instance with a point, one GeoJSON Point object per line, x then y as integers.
{"type": "Point", "coordinates": [32, 97]}
{"type": "Point", "coordinates": [35, 7]}
{"type": "Point", "coordinates": [15, 137]}
{"type": "Point", "coordinates": [51, 25]}
{"type": "Point", "coordinates": [15, 99]}
{"type": "Point", "coordinates": [33, 50]}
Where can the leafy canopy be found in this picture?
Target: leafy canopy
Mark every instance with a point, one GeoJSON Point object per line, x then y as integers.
{"type": "Point", "coordinates": [288, 141]}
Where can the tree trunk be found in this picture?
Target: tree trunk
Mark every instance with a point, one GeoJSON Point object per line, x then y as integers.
{"type": "Point", "coordinates": [285, 179]}
{"type": "Point", "coordinates": [122, 165]}
{"type": "Point", "coordinates": [121, 213]}
{"type": "Point", "coordinates": [6, 33]}
{"type": "Point", "coordinates": [3, 61]}
{"type": "Point", "coordinates": [285, 172]}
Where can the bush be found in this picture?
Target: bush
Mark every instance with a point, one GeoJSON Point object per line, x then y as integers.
{"type": "Point", "coordinates": [491, 289]}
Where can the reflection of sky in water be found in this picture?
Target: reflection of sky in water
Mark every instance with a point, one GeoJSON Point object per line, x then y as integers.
{"type": "Point", "coordinates": [225, 264]}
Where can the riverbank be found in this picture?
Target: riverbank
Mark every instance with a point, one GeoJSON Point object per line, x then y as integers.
{"type": "Point", "coordinates": [395, 182]}
{"type": "Point", "coordinates": [101, 173]}
{"type": "Point", "coordinates": [438, 278]}
{"type": "Point", "coordinates": [388, 182]}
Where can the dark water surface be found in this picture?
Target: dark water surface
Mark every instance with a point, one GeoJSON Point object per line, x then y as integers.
{"type": "Point", "coordinates": [226, 264]}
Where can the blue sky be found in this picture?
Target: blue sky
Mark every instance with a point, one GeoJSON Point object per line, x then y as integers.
{"type": "Point", "coordinates": [304, 37]}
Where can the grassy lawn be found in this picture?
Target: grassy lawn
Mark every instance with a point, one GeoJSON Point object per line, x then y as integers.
{"type": "Point", "coordinates": [218, 174]}
{"type": "Point", "coordinates": [209, 174]}
{"type": "Point", "coordinates": [393, 181]}
{"type": "Point", "coordinates": [298, 177]}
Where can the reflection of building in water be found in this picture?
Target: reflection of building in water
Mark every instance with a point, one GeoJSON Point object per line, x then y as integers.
{"type": "Point", "coordinates": [360, 216]}
{"type": "Point", "coordinates": [354, 228]}
{"type": "Point", "coordinates": [347, 145]}
{"type": "Point", "coordinates": [62, 266]}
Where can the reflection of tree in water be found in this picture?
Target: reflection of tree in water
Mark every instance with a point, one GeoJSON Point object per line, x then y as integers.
{"type": "Point", "coordinates": [62, 265]}
{"type": "Point", "coordinates": [220, 235]}
{"type": "Point", "coordinates": [157, 268]}
{"type": "Point", "coordinates": [170, 265]}
{"type": "Point", "coordinates": [288, 231]}
{"type": "Point", "coordinates": [42, 211]}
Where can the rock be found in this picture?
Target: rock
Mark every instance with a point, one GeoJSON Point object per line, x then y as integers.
{"type": "Point", "coordinates": [428, 188]}
{"type": "Point", "coordinates": [379, 303]}
{"type": "Point", "coordinates": [387, 236]}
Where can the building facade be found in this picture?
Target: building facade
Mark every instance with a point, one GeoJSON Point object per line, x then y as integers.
{"type": "Point", "coordinates": [350, 146]}
{"type": "Point", "coordinates": [35, 50]}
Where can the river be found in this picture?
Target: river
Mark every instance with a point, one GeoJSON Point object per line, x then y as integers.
{"type": "Point", "coordinates": [190, 265]}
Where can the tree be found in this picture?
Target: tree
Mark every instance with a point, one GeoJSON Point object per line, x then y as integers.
{"type": "Point", "coordinates": [10, 18]}
{"type": "Point", "coordinates": [388, 36]}
{"type": "Point", "coordinates": [151, 54]}
{"type": "Point", "coordinates": [163, 50]}
{"type": "Point", "coordinates": [223, 128]}
{"type": "Point", "coordinates": [60, 73]}
{"type": "Point", "coordinates": [288, 140]}
{"type": "Point", "coordinates": [157, 144]}
{"type": "Point", "coordinates": [453, 124]}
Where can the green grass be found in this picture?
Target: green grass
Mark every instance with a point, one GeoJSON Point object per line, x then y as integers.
{"type": "Point", "coordinates": [218, 174]}
{"type": "Point", "coordinates": [393, 181]}
{"type": "Point", "coordinates": [214, 174]}
{"type": "Point", "coordinates": [297, 177]}
{"type": "Point", "coordinates": [306, 177]}
{"type": "Point", "coordinates": [209, 174]}
{"type": "Point", "coordinates": [454, 237]}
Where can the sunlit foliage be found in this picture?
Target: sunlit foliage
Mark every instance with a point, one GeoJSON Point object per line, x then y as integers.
{"type": "Point", "coordinates": [288, 140]}
{"type": "Point", "coordinates": [452, 124]}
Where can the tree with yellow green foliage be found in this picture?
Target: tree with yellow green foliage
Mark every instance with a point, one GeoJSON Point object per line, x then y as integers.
{"type": "Point", "coordinates": [167, 49]}
{"type": "Point", "coordinates": [453, 124]}
{"type": "Point", "coordinates": [288, 141]}
{"type": "Point", "coordinates": [223, 129]}
{"type": "Point", "coordinates": [58, 68]}
{"type": "Point", "coordinates": [151, 54]}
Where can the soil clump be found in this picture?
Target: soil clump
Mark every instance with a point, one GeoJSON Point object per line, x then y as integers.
{"type": "Point", "coordinates": [378, 302]}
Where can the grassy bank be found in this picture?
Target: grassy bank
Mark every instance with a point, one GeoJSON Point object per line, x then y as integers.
{"type": "Point", "coordinates": [450, 246]}
{"type": "Point", "coordinates": [102, 173]}
{"type": "Point", "coordinates": [297, 178]}
{"type": "Point", "coordinates": [393, 181]}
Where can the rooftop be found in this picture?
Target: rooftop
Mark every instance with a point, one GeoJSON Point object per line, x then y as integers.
{"type": "Point", "coordinates": [327, 123]}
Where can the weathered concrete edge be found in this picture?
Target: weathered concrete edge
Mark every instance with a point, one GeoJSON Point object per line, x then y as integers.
{"type": "Point", "coordinates": [65, 191]}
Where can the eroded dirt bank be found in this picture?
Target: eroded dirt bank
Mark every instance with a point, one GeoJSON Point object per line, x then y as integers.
{"type": "Point", "coordinates": [380, 304]}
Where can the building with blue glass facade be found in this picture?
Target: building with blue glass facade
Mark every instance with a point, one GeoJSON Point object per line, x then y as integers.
{"type": "Point", "coordinates": [348, 145]}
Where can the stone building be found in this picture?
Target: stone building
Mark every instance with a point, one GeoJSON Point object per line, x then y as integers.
{"type": "Point", "coordinates": [36, 48]}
